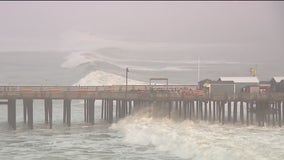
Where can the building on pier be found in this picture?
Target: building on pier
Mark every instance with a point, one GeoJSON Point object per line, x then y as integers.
{"type": "Point", "coordinates": [230, 85]}
{"type": "Point", "coordinates": [251, 89]}
{"type": "Point", "coordinates": [264, 86]}
{"type": "Point", "coordinates": [221, 88]}
{"type": "Point", "coordinates": [240, 82]}
{"type": "Point", "coordinates": [281, 86]}
{"type": "Point", "coordinates": [277, 84]}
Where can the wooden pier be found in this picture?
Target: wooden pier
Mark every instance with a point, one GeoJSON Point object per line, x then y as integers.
{"type": "Point", "coordinates": [246, 109]}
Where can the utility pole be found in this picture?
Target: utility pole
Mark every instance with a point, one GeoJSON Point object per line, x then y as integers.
{"type": "Point", "coordinates": [198, 70]}
{"type": "Point", "coordinates": [126, 79]}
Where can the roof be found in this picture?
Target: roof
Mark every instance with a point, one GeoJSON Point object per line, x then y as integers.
{"type": "Point", "coordinates": [240, 79]}
{"type": "Point", "coordinates": [278, 79]}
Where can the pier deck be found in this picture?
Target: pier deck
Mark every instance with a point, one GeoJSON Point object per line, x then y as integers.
{"type": "Point", "coordinates": [116, 103]}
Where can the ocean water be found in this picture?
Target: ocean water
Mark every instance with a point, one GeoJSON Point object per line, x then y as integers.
{"type": "Point", "coordinates": [139, 136]}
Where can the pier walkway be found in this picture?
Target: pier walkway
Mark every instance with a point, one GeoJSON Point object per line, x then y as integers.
{"type": "Point", "coordinates": [167, 100]}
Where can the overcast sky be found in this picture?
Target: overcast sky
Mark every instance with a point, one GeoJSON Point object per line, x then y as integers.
{"type": "Point", "coordinates": [48, 25]}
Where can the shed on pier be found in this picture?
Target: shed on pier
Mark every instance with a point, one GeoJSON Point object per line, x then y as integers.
{"type": "Point", "coordinates": [221, 88]}
{"type": "Point", "coordinates": [277, 84]}
{"type": "Point", "coordinates": [240, 82]}
{"type": "Point", "coordinates": [251, 89]}
{"type": "Point", "coordinates": [264, 86]}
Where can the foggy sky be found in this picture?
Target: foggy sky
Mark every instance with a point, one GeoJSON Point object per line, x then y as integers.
{"type": "Point", "coordinates": [45, 25]}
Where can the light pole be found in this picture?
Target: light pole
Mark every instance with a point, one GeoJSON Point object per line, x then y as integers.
{"type": "Point", "coordinates": [126, 79]}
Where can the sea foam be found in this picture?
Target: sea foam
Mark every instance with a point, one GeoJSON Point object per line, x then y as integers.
{"type": "Point", "coordinates": [189, 140]}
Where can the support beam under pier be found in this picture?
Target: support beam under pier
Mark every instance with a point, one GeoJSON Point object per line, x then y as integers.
{"type": "Point", "coordinates": [91, 111]}
{"type": "Point", "coordinates": [67, 112]}
{"type": "Point", "coordinates": [48, 112]}
{"type": "Point", "coordinates": [28, 111]}
{"type": "Point", "coordinates": [12, 113]}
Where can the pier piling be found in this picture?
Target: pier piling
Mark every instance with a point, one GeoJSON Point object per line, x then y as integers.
{"type": "Point", "coordinates": [67, 112]}
{"type": "Point", "coordinates": [48, 111]}
{"type": "Point", "coordinates": [12, 113]}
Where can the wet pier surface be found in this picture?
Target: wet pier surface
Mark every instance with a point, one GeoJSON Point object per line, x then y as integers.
{"type": "Point", "coordinates": [247, 109]}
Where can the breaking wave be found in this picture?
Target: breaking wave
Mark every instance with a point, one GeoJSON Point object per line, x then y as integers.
{"type": "Point", "coordinates": [189, 140]}
{"type": "Point", "coordinates": [100, 78]}
{"type": "Point", "coordinates": [117, 58]}
{"type": "Point", "coordinates": [75, 59]}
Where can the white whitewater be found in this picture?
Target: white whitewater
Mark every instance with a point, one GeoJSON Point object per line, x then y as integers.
{"type": "Point", "coordinates": [202, 141]}
{"type": "Point", "coordinates": [101, 78]}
